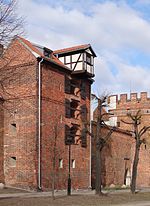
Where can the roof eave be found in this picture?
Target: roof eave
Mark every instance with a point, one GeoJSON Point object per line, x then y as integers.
{"type": "Point", "coordinates": [76, 50]}
{"type": "Point", "coordinates": [55, 63]}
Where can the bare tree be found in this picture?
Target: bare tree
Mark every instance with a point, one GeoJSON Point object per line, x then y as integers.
{"type": "Point", "coordinates": [101, 140]}
{"type": "Point", "coordinates": [135, 121]}
{"type": "Point", "coordinates": [55, 153]}
{"type": "Point", "coordinates": [11, 23]}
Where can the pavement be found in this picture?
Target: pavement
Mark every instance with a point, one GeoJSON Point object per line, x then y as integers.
{"type": "Point", "coordinates": [143, 203]}
{"type": "Point", "coordinates": [45, 194]}
{"type": "Point", "coordinates": [33, 194]}
{"type": "Point", "coordinates": [64, 193]}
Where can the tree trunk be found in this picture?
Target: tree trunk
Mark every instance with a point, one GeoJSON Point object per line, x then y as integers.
{"type": "Point", "coordinates": [134, 168]}
{"type": "Point", "coordinates": [98, 174]}
{"type": "Point", "coordinates": [53, 185]}
{"type": "Point", "coordinates": [98, 151]}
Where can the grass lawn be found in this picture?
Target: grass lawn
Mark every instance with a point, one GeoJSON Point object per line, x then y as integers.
{"type": "Point", "coordinates": [78, 200]}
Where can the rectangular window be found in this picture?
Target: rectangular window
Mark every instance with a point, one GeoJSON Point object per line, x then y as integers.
{"type": "Point", "coordinates": [73, 163]}
{"type": "Point", "coordinates": [67, 108]}
{"type": "Point", "coordinates": [88, 58]}
{"type": "Point", "coordinates": [83, 90]}
{"type": "Point", "coordinates": [12, 161]}
{"type": "Point", "coordinates": [60, 163]}
{"type": "Point", "coordinates": [46, 54]}
{"type": "Point", "coordinates": [84, 137]}
{"type": "Point", "coordinates": [13, 128]}
{"type": "Point", "coordinates": [84, 113]}
{"type": "Point", "coordinates": [118, 124]}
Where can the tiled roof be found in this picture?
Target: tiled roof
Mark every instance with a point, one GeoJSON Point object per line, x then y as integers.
{"type": "Point", "coordinates": [38, 52]}
{"type": "Point", "coordinates": [30, 46]}
{"type": "Point", "coordinates": [33, 48]}
{"type": "Point", "coordinates": [71, 49]}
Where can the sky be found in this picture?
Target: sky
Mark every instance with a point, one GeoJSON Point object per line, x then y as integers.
{"type": "Point", "coordinates": [118, 31]}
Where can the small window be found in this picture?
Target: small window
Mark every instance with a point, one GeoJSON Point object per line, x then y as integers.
{"type": "Point", "coordinates": [67, 108]}
{"type": "Point", "coordinates": [60, 87]}
{"type": "Point", "coordinates": [73, 163]}
{"type": "Point", "coordinates": [84, 138]}
{"type": "Point", "coordinates": [47, 54]}
{"type": "Point", "coordinates": [12, 162]}
{"type": "Point", "coordinates": [60, 163]}
{"type": "Point", "coordinates": [118, 124]}
{"type": "Point", "coordinates": [61, 119]}
{"type": "Point", "coordinates": [84, 113]}
{"type": "Point", "coordinates": [83, 90]}
{"type": "Point", "coordinates": [88, 58]}
{"type": "Point", "coordinates": [13, 128]}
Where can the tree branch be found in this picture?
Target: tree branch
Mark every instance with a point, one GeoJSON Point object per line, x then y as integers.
{"type": "Point", "coordinates": [143, 130]}
{"type": "Point", "coordinates": [127, 122]}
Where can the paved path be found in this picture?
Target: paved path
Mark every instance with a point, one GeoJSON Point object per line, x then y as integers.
{"type": "Point", "coordinates": [46, 194]}
{"type": "Point", "coordinates": [142, 203]}
{"type": "Point", "coordinates": [64, 193]}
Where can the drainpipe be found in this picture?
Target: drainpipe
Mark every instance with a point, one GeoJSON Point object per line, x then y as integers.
{"type": "Point", "coordinates": [39, 127]}
{"type": "Point", "coordinates": [90, 175]}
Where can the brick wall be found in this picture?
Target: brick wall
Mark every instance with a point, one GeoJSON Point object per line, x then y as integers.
{"type": "Point", "coordinates": [53, 125]}
{"type": "Point", "coordinates": [1, 142]}
{"type": "Point", "coordinates": [20, 143]}
{"type": "Point", "coordinates": [53, 117]}
{"type": "Point", "coordinates": [116, 157]}
{"type": "Point", "coordinates": [132, 104]}
{"type": "Point", "coordinates": [81, 151]}
{"type": "Point", "coordinates": [20, 109]}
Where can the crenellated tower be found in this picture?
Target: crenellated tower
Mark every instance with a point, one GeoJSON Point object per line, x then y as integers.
{"type": "Point", "coordinates": [120, 106]}
{"type": "Point", "coordinates": [123, 104]}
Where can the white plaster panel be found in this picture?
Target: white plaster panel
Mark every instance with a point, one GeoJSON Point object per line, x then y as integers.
{"type": "Point", "coordinates": [67, 59]}
{"type": "Point", "coordinates": [79, 66]}
{"type": "Point", "coordinates": [113, 121]}
{"type": "Point", "coordinates": [88, 50]}
{"type": "Point", "coordinates": [61, 59]}
{"type": "Point", "coordinates": [112, 104]}
{"type": "Point", "coordinates": [75, 57]}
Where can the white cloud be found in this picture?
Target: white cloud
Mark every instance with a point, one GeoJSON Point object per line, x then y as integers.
{"type": "Point", "coordinates": [143, 2]}
{"type": "Point", "coordinates": [110, 25]}
{"type": "Point", "coordinates": [110, 28]}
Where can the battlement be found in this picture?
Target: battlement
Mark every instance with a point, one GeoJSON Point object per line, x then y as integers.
{"type": "Point", "coordinates": [113, 100]}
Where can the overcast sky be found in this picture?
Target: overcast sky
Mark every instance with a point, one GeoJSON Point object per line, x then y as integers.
{"type": "Point", "coordinates": [119, 32]}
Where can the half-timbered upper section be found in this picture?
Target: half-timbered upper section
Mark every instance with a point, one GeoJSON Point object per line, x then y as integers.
{"type": "Point", "coordinates": [79, 59]}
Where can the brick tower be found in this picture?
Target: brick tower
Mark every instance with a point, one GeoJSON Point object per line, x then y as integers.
{"type": "Point", "coordinates": [45, 111]}
{"type": "Point", "coordinates": [122, 105]}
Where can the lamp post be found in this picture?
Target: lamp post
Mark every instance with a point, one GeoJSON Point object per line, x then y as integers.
{"type": "Point", "coordinates": [69, 166]}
